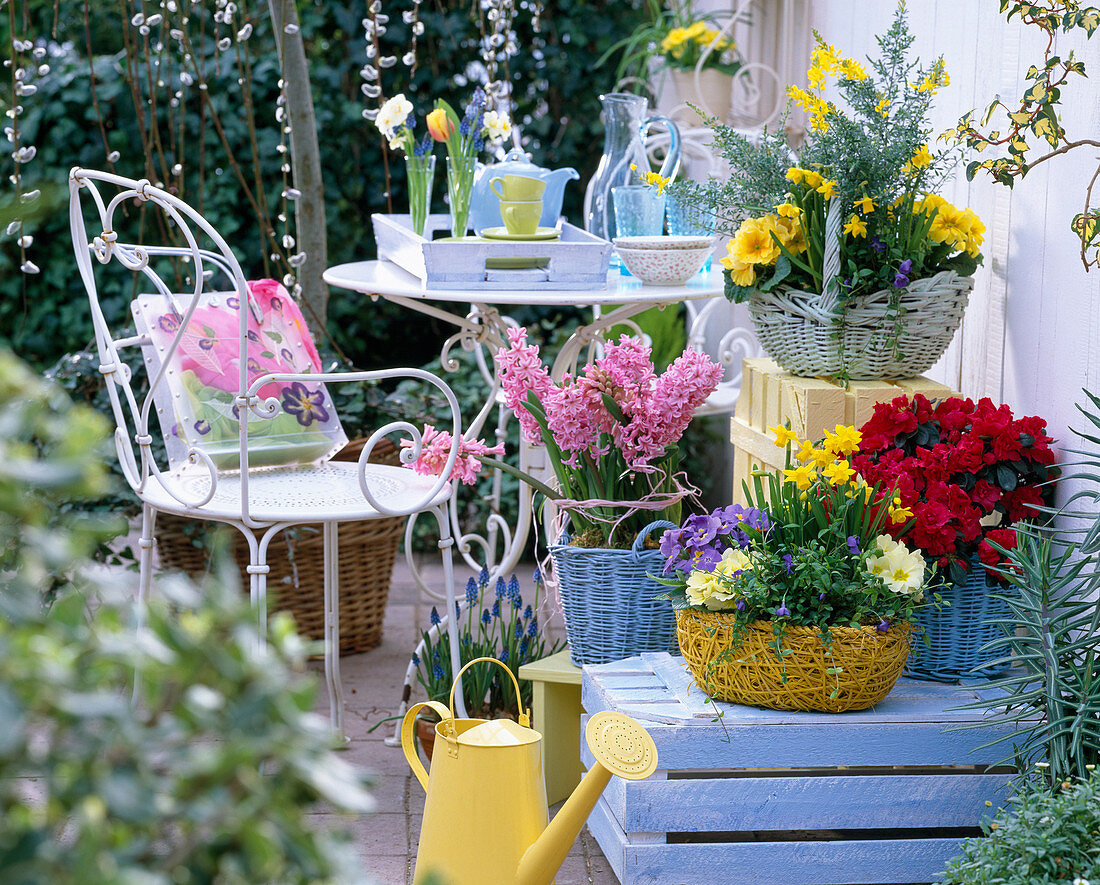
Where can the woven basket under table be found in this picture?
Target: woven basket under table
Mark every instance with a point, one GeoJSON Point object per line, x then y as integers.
{"type": "Point", "coordinates": [801, 334]}
{"type": "Point", "coordinates": [368, 551]}
{"type": "Point", "coordinates": [869, 663]}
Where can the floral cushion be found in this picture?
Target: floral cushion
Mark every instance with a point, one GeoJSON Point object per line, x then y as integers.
{"type": "Point", "coordinates": [195, 400]}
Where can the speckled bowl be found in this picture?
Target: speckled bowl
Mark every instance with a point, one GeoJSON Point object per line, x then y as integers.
{"type": "Point", "coordinates": [678, 241]}
{"type": "Point", "coordinates": [664, 267]}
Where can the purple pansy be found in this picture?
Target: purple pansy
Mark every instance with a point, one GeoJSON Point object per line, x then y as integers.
{"type": "Point", "coordinates": [877, 244]}
{"type": "Point", "coordinates": [704, 560]}
{"type": "Point", "coordinates": [853, 545]}
{"type": "Point", "coordinates": [700, 530]}
{"type": "Point", "coordinates": [304, 404]}
{"type": "Point", "coordinates": [901, 278]}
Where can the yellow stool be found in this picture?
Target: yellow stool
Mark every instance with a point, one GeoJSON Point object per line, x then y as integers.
{"type": "Point", "coordinates": [556, 715]}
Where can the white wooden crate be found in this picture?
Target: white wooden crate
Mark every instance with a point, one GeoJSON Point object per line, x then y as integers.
{"type": "Point", "coordinates": [576, 260]}
{"type": "Point", "coordinates": [778, 798]}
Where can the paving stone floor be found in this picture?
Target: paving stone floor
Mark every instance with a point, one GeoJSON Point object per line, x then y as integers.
{"type": "Point", "coordinates": [387, 839]}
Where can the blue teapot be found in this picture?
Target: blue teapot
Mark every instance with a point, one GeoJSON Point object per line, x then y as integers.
{"type": "Point", "coordinates": [485, 205]}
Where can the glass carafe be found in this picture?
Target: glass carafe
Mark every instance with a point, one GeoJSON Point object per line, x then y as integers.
{"type": "Point", "coordinates": [626, 126]}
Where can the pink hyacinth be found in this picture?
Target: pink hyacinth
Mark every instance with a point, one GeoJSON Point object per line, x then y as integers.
{"type": "Point", "coordinates": [682, 388]}
{"type": "Point", "coordinates": [436, 449]}
{"type": "Point", "coordinates": [521, 370]}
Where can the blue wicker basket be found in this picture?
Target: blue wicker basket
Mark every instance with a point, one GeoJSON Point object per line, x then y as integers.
{"type": "Point", "coordinates": [610, 602]}
{"type": "Point", "coordinates": [959, 631]}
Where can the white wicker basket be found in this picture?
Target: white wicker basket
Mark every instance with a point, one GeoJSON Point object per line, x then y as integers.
{"type": "Point", "coordinates": [880, 335]}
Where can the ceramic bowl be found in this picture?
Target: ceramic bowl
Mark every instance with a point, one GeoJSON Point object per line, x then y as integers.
{"type": "Point", "coordinates": [664, 267]}
{"type": "Point", "coordinates": [664, 243]}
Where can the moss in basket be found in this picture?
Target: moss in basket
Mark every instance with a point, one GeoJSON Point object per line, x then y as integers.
{"type": "Point", "coordinates": [870, 159]}
{"type": "Point", "coordinates": [810, 550]}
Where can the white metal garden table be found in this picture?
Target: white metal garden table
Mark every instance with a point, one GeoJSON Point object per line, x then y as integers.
{"type": "Point", "coordinates": [482, 328]}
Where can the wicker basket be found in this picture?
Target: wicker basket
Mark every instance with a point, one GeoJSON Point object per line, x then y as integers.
{"type": "Point", "coordinates": [610, 603]}
{"type": "Point", "coordinates": [803, 332]}
{"type": "Point", "coordinates": [866, 663]}
{"type": "Point", "coordinates": [367, 554]}
{"type": "Point", "coordinates": [958, 631]}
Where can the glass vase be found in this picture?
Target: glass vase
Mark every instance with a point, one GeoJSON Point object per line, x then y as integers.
{"type": "Point", "coordinates": [419, 172]}
{"type": "Point", "coordinates": [460, 184]}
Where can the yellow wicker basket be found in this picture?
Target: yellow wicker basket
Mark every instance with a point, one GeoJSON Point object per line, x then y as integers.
{"type": "Point", "coordinates": [855, 672]}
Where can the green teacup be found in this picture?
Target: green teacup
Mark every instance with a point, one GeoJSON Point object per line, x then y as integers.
{"type": "Point", "coordinates": [521, 217]}
{"type": "Point", "coordinates": [518, 188]}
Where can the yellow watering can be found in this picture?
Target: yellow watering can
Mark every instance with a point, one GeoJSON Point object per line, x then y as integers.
{"type": "Point", "coordinates": [485, 816]}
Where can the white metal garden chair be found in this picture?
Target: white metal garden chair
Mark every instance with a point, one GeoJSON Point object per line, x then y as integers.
{"type": "Point", "coordinates": [271, 471]}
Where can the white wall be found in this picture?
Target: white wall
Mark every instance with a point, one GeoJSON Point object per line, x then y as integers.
{"type": "Point", "coordinates": [1031, 336]}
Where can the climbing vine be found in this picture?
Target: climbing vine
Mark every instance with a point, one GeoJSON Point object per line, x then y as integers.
{"type": "Point", "coordinates": [1033, 120]}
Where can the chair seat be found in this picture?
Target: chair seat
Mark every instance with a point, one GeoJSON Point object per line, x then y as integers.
{"type": "Point", "coordinates": [310, 493]}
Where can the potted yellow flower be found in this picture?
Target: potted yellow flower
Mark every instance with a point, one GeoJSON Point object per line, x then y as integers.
{"type": "Point", "coordinates": [802, 600]}
{"type": "Point", "coordinates": [851, 265]}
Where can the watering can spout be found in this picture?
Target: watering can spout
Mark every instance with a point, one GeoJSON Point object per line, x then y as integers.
{"type": "Point", "coordinates": [621, 747]}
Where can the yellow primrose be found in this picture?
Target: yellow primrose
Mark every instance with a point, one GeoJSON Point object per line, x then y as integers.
{"type": "Point", "coordinates": [856, 227]}
{"type": "Point", "coordinates": [783, 435]}
{"type": "Point", "coordinates": [803, 476]}
{"type": "Point", "coordinates": [864, 204]}
{"type": "Point", "coordinates": [753, 243]}
{"type": "Point", "coordinates": [827, 189]}
{"type": "Point", "coordinates": [838, 472]}
{"type": "Point", "coordinates": [788, 210]}
{"type": "Point", "coordinates": [741, 274]}
{"type": "Point", "coordinates": [845, 441]}
{"type": "Point", "coordinates": [790, 233]}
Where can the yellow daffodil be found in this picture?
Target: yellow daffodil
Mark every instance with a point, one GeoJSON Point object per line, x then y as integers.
{"type": "Point", "coordinates": [803, 476]}
{"type": "Point", "coordinates": [856, 227]}
{"type": "Point", "coordinates": [787, 210]}
{"type": "Point", "coordinates": [805, 451]}
{"type": "Point", "coordinates": [821, 457]}
{"type": "Point", "coordinates": [827, 189]}
{"type": "Point", "coordinates": [921, 157]}
{"type": "Point", "coordinates": [808, 177]}
{"type": "Point", "coordinates": [838, 472]}
{"type": "Point", "coordinates": [845, 441]}
{"type": "Point", "coordinates": [783, 435]}
{"type": "Point", "coordinates": [864, 204]}
{"type": "Point", "coordinates": [898, 515]}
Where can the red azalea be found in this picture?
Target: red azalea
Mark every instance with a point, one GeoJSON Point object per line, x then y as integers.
{"type": "Point", "coordinates": [1023, 502]}
{"type": "Point", "coordinates": [954, 416]}
{"type": "Point", "coordinates": [985, 495]}
{"type": "Point", "coordinates": [989, 420]}
{"type": "Point", "coordinates": [1006, 445]}
{"type": "Point", "coordinates": [966, 456]}
{"type": "Point", "coordinates": [922, 408]}
{"type": "Point", "coordinates": [1006, 538]}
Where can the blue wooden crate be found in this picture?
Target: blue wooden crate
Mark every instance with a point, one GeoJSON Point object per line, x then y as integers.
{"type": "Point", "coordinates": [780, 798]}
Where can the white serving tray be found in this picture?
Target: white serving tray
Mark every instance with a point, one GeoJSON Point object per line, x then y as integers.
{"type": "Point", "coordinates": [577, 260]}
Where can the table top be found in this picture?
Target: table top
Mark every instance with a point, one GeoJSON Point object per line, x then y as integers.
{"type": "Point", "coordinates": [385, 278]}
{"type": "Point", "coordinates": [555, 668]}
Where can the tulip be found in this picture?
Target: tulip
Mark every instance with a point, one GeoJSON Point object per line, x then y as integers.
{"type": "Point", "coordinates": [439, 125]}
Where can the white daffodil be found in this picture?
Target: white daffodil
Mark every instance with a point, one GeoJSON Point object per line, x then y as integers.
{"type": "Point", "coordinates": [497, 125]}
{"type": "Point", "coordinates": [392, 115]}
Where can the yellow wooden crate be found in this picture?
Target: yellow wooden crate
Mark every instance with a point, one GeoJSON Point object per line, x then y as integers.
{"type": "Point", "coordinates": [813, 406]}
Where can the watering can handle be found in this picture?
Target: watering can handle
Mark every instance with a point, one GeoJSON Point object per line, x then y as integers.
{"type": "Point", "coordinates": [524, 717]}
{"type": "Point", "coordinates": [671, 165]}
{"type": "Point", "coordinates": [408, 732]}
